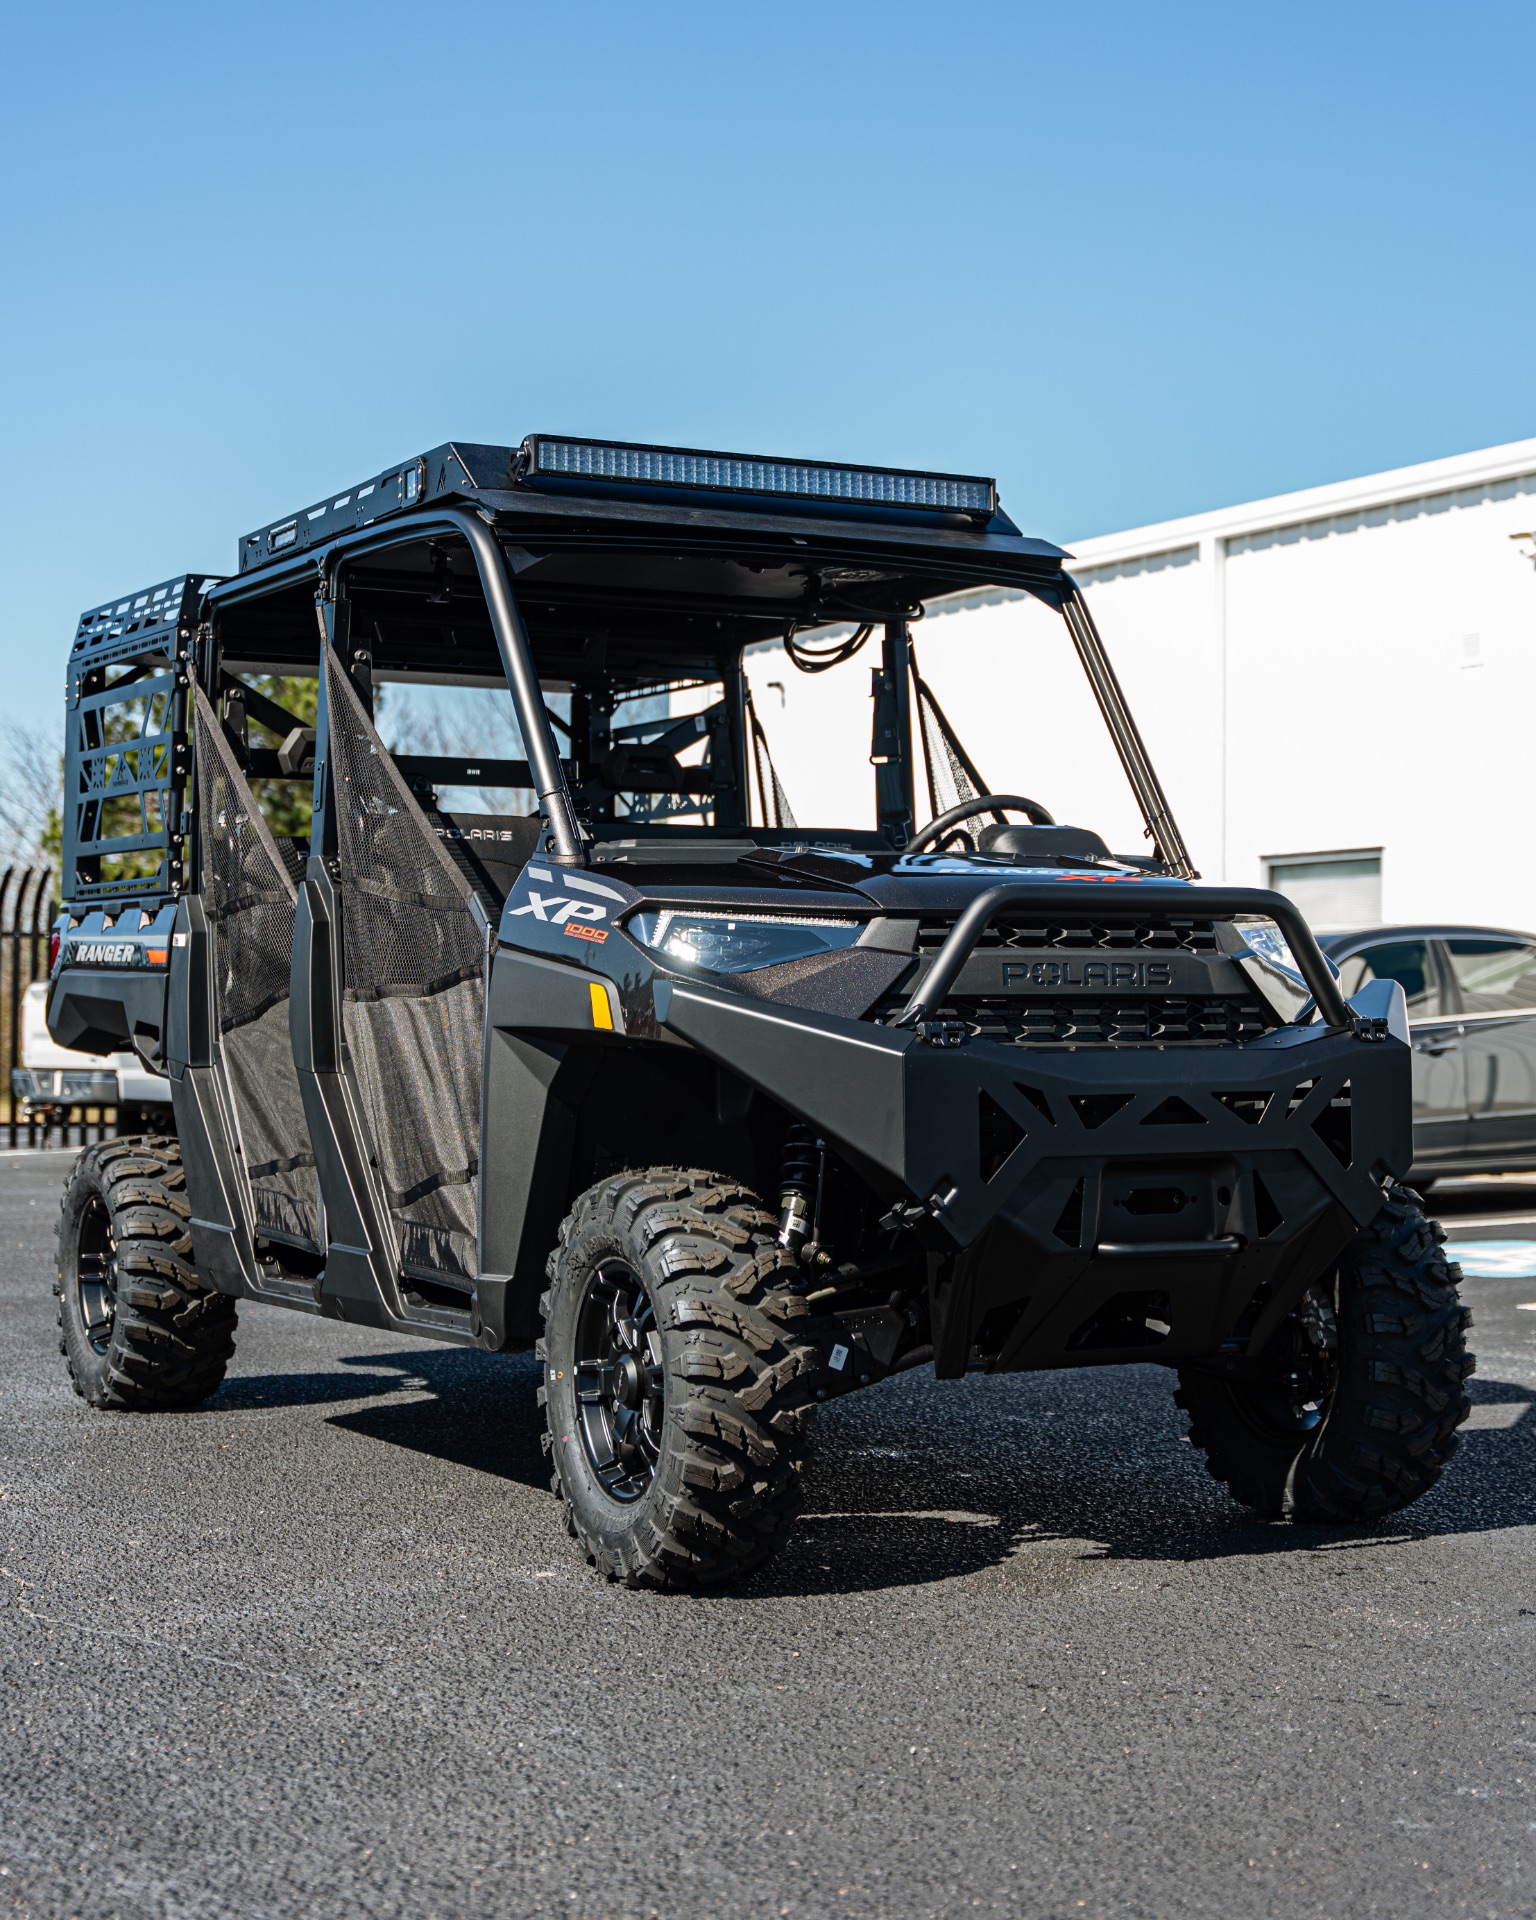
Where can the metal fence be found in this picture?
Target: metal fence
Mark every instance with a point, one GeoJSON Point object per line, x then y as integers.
{"type": "Point", "coordinates": [27, 907]}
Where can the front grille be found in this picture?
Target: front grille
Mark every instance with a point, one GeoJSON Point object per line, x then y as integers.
{"type": "Point", "coordinates": [1211, 1020]}
{"type": "Point", "coordinates": [1113, 936]}
{"type": "Point", "coordinates": [1078, 1018]}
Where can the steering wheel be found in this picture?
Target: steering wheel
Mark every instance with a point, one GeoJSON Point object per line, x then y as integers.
{"type": "Point", "coordinates": [941, 828]}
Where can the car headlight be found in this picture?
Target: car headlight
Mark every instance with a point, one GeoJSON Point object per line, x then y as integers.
{"type": "Point", "coordinates": [738, 942]}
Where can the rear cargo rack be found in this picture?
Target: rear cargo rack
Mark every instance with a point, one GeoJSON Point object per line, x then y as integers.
{"type": "Point", "coordinates": [126, 754]}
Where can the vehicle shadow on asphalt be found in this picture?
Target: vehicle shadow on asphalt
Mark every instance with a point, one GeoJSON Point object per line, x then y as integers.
{"type": "Point", "coordinates": [1122, 1487]}
{"type": "Point", "coordinates": [470, 1408]}
{"type": "Point", "coordinates": [481, 1412]}
{"type": "Point", "coordinates": [921, 1480]}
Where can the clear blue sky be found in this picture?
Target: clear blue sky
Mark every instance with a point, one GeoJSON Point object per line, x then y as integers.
{"type": "Point", "coordinates": [1134, 260]}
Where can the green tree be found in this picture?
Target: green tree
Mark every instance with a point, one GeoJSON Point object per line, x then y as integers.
{"type": "Point", "coordinates": [286, 805]}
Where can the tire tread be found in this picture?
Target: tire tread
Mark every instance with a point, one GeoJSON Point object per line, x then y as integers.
{"type": "Point", "coordinates": [1392, 1422]}
{"type": "Point", "coordinates": [172, 1338]}
{"type": "Point", "coordinates": [740, 1389]}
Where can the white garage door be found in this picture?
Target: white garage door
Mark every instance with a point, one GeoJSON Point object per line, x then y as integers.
{"type": "Point", "coordinates": [1336, 892]}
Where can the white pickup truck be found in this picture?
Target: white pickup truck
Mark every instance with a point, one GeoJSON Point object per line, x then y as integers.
{"type": "Point", "coordinates": [51, 1079]}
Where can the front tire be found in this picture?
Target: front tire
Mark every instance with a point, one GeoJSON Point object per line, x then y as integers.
{"type": "Point", "coordinates": [676, 1390]}
{"type": "Point", "coordinates": [1351, 1412]}
{"type": "Point", "coordinates": [136, 1329]}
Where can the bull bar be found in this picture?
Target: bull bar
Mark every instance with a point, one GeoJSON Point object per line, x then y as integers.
{"type": "Point", "coordinates": [1074, 896]}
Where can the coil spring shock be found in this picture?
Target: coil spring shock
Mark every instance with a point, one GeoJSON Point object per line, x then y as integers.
{"type": "Point", "coordinates": [799, 1186]}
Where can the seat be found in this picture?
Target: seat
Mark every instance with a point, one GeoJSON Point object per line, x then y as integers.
{"type": "Point", "coordinates": [489, 849]}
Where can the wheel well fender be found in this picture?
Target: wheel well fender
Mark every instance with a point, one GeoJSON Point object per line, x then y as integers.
{"type": "Point", "coordinates": [563, 1111]}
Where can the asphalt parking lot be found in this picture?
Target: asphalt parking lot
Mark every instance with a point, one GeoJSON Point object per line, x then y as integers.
{"type": "Point", "coordinates": [323, 1649]}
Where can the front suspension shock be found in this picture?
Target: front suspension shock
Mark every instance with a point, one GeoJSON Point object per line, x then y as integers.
{"type": "Point", "coordinates": [800, 1182]}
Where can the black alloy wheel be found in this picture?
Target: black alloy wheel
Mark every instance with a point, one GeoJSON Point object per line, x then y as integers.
{"type": "Point", "coordinates": [1287, 1397]}
{"type": "Point", "coordinates": [677, 1384]}
{"type": "Point", "coordinates": [137, 1329]}
{"type": "Point", "coordinates": [620, 1383]}
{"type": "Point", "coordinates": [96, 1275]}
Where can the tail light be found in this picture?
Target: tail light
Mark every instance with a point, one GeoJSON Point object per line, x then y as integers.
{"type": "Point", "coordinates": [53, 951]}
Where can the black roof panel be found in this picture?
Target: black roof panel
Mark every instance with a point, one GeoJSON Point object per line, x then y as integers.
{"type": "Point", "coordinates": [725, 492]}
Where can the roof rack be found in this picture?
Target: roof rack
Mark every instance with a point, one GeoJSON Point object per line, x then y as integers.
{"type": "Point", "coordinates": [159, 620]}
{"type": "Point", "coordinates": [562, 467]}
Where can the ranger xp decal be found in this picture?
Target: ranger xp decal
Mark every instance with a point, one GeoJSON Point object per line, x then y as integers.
{"type": "Point", "coordinates": [555, 909]}
{"type": "Point", "coordinates": [548, 908]}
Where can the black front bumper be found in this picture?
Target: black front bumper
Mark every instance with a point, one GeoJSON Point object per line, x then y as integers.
{"type": "Point", "coordinates": [1097, 1206]}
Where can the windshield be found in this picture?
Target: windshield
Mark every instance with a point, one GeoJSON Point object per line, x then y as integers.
{"type": "Point", "coordinates": [698, 695]}
{"type": "Point", "coordinates": [999, 704]}
{"type": "Point", "coordinates": [860, 733]}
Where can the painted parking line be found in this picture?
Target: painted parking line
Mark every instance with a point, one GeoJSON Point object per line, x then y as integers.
{"type": "Point", "coordinates": [1458, 1223]}
{"type": "Point", "coordinates": [1495, 1259]}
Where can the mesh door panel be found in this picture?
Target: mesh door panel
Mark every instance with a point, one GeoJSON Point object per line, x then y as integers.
{"type": "Point", "coordinates": [250, 900]}
{"type": "Point", "coordinates": [413, 1003]}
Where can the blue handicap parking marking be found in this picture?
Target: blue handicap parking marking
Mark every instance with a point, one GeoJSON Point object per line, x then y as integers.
{"type": "Point", "coordinates": [1495, 1259]}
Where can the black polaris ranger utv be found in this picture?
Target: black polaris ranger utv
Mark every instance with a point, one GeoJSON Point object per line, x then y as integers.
{"type": "Point", "coordinates": [726, 1115]}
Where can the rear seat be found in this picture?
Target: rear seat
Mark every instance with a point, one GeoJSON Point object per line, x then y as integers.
{"type": "Point", "coordinates": [489, 849]}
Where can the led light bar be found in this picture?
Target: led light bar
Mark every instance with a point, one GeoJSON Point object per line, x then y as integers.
{"type": "Point", "coordinates": [742, 473]}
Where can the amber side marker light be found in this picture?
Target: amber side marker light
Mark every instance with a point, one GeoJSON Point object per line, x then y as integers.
{"type": "Point", "coordinates": [602, 1013]}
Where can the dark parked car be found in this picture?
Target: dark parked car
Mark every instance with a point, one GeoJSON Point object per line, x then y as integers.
{"type": "Point", "coordinates": [1472, 1012]}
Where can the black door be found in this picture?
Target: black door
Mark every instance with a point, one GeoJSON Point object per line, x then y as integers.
{"type": "Point", "coordinates": [1496, 980]}
{"type": "Point", "coordinates": [1439, 1064]}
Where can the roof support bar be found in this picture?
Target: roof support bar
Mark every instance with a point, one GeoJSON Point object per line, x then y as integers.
{"type": "Point", "coordinates": [517, 663]}
{"type": "Point", "coordinates": [506, 623]}
{"type": "Point", "coordinates": [1145, 784]}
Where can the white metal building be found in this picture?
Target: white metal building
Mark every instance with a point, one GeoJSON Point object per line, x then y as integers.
{"type": "Point", "coordinates": [1337, 687]}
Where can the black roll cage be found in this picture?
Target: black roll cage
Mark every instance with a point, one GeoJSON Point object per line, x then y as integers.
{"type": "Point", "coordinates": [555, 804]}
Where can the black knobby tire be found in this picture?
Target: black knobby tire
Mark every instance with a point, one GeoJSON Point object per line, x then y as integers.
{"type": "Point", "coordinates": [137, 1330]}
{"type": "Point", "coordinates": [1394, 1384]}
{"type": "Point", "coordinates": [695, 1479]}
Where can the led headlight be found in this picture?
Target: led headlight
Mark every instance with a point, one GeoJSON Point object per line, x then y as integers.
{"type": "Point", "coordinates": [1267, 960]}
{"type": "Point", "coordinates": [738, 942]}
{"type": "Point", "coordinates": [1269, 947]}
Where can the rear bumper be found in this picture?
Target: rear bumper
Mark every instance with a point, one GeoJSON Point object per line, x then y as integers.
{"type": "Point", "coordinates": [64, 1086]}
{"type": "Point", "coordinates": [1099, 1206]}
{"type": "Point", "coordinates": [107, 1010]}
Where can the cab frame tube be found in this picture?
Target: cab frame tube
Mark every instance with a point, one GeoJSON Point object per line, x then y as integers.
{"type": "Point", "coordinates": [507, 625]}
{"type": "Point", "coordinates": [1134, 758]}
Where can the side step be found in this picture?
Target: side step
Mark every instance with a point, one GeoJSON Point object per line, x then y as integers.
{"type": "Point", "coordinates": [439, 1319]}
{"type": "Point", "coordinates": [290, 1290]}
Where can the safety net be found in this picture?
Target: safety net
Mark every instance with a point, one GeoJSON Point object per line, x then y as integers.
{"type": "Point", "coordinates": [773, 800]}
{"type": "Point", "coordinates": [249, 892]}
{"type": "Point", "coordinates": [413, 1001]}
{"type": "Point", "coordinates": [952, 775]}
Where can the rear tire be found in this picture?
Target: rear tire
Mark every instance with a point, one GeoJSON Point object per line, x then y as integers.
{"type": "Point", "coordinates": [676, 1390]}
{"type": "Point", "coordinates": [1352, 1411]}
{"type": "Point", "coordinates": [137, 1331]}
